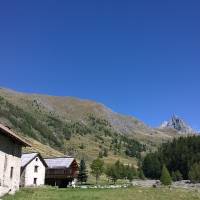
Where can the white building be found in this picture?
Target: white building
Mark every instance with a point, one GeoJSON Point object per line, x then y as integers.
{"type": "Point", "coordinates": [33, 169]}
{"type": "Point", "coordinates": [10, 160]}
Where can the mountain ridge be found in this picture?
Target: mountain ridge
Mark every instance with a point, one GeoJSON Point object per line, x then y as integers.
{"type": "Point", "coordinates": [69, 124]}
{"type": "Point", "coordinates": [68, 104]}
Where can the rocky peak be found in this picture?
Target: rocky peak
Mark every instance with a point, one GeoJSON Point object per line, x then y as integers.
{"type": "Point", "coordinates": [178, 124]}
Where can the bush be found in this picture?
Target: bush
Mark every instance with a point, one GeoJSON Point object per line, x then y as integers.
{"type": "Point", "coordinates": [194, 173]}
{"type": "Point", "coordinates": [165, 176]}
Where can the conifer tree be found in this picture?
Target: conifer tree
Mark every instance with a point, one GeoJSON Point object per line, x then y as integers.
{"type": "Point", "coordinates": [131, 172]}
{"type": "Point", "coordinates": [140, 171]}
{"type": "Point", "coordinates": [165, 176]}
{"type": "Point", "coordinates": [177, 176]}
{"type": "Point", "coordinates": [83, 174]}
{"type": "Point", "coordinates": [141, 174]}
{"type": "Point", "coordinates": [194, 173]}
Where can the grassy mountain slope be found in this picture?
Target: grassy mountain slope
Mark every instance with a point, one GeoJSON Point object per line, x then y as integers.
{"type": "Point", "coordinates": [78, 127]}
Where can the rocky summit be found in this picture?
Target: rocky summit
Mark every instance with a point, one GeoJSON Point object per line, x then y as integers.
{"type": "Point", "coordinates": [178, 124]}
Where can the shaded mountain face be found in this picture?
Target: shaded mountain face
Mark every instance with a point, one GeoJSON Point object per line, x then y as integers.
{"type": "Point", "coordinates": [178, 124]}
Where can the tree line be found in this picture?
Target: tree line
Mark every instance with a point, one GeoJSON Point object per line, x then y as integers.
{"type": "Point", "coordinates": [113, 171]}
{"type": "Point", "coordinates": [180, 156]}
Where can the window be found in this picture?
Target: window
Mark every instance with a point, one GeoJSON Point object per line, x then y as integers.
{"type": "Point", "coordinates": [35, 181]}
{"type": "Point", "coordinates": [11, 172]}
{"type": "Point", "coordinates": [36, 169]}
{"type": "Point", "coordinates": [36, 159]}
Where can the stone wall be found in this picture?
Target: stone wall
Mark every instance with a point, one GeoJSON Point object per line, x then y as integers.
{"type": "Point", "coordinates": [10, 163]}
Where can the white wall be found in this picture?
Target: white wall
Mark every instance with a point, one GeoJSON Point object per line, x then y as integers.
{"type": "Point", "coordinates": [30, 174]}
{"type": "Point", "coordinates": [10, 156]}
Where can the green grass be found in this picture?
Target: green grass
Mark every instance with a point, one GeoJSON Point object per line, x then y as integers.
{"type": "Point", "coordinates": [105, 194]}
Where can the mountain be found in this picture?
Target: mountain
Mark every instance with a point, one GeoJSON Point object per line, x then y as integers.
{"type": "Point", "coordinates": [177, 124]}
{"type": "Point", "coordinates": [82, 128]}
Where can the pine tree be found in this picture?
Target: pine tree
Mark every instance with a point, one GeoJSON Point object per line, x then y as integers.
{"type": "Point", "coordinates": [165, 176]}
{"type": "Point", "coordinates": [131, 172]}
{"type": "Point", "coordinates": [112, 173]}
{"type": "Point", "coordinates": [177, 176]}
{"type": "Point", "coordinates": [194, 173]}
{"type": "Point", "coordinates": [83, 174]}
{"type": "Point", "coordinates": [151, 166]}
{"type": "Point", "coordinates": [174, 178]}
{"type": "Point", "coordinates": [105, 152]}
{"type": "Point", "coordinates": [141, 174]}
{"type": "Point", "coordinates": [140, 171]}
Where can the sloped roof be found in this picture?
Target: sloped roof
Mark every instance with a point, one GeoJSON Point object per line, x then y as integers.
{"type": "Point", "coordinates": [59, 162]}
{"type": "Point", "coordinates": [28, 157]}
{"type": "Point", "coordinates": [6, 131]}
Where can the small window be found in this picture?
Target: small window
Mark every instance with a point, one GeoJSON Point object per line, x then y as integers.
{"type": "Point", "coordinates": [35, 181]}
{"type": "Point", "coordinates": [36, 169]}
{"type": "Point", "coordinates": [36, 159]}
{"type": "Point", "coordinates": [11, 172]}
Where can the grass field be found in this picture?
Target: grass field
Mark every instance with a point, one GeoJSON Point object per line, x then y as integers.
{"type": "Point", "coordinates": [105, 194]}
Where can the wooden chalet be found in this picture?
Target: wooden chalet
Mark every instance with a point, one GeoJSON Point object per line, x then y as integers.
{"type": "Point", "coordinates": [61, 171]}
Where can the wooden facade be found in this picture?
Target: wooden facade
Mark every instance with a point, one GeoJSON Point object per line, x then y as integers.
{"type": "Point", "coordinates": [61, 171]}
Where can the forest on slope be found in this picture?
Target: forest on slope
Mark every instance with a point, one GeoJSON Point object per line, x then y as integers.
{"type": "Point", "coordinates": [180, 156]}
{"type": "Point", "coordinates": [77, 127]}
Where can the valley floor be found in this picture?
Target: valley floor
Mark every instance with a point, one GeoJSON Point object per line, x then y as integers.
{"type": "Point", "coordinates": [135, 193]}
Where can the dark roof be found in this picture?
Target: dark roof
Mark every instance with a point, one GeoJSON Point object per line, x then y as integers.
{"type": "Point", "coordinates": [59, 162]}
{"type": "Point", "coordinates": [6, 131]}
{"type": "Point", "coordinates": [28, 157]}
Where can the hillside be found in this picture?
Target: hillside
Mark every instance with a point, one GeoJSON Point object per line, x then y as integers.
{"type": "Point", "coordinates": [77, 127]}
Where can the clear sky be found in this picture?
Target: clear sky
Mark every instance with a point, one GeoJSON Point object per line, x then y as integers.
{"type": "Point", "coordinates": [140, 58]}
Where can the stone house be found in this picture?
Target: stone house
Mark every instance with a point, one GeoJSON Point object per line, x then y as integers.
{"type": "Point", "coordinates": [33, 169]}
{"type": "Point", "coordinates": [61, 171]}
{"type": "Point", "coordinates": [10, 160]}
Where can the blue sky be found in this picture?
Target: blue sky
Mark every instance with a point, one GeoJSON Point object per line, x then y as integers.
{"type": "Point", "coordinates": [140, 58]}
